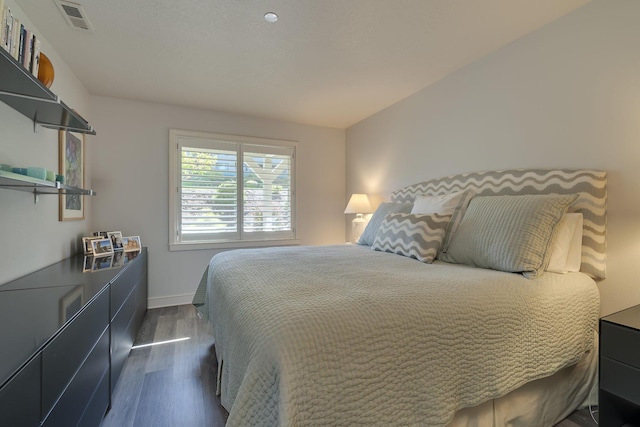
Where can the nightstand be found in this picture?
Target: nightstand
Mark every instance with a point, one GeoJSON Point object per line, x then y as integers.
{"type": "Point", "coordinates": [619, 394]}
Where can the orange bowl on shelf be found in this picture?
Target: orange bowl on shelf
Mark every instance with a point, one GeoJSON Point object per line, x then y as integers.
{"type": "Point", "coordinates": [45, 71]}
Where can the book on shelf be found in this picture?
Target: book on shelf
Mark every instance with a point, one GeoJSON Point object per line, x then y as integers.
{"type": "Point", "coordinates": [7, 29]}
{"type": "Point", "coordinates": [3, 14]}
{"type": "Point", "coordinates": [15, 39]}
{"type": "Point", "coordinates": [10, 35]}
{"type": "Point", "coordinates": [27, 45]}
{"type": "Point", "coordinates": [19, 41]}
{"type": "Point", "coordinates": [35, 62]}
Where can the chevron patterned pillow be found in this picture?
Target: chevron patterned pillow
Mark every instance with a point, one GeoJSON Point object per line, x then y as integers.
{"type": "Point", "coordinates": [413, 235]}
{"type": "Point", "coordinates": [384, 209]}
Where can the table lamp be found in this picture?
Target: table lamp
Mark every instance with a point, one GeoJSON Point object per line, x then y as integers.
{"type": "Point", "coordinates": [358, 204]}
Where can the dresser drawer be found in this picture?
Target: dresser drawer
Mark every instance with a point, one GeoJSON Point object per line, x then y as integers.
{"type": "Point", "coordinates": [20, 397]}
{"type": "Point", "coordinates": [126, 282]}
{"type": "Point", "coordinates": [141, 303]}
{"type": "Point", "coordinates": [69, 410]}
{"type": "Point", "coordinates": [63, 356]}
{"type": "Point", "coordinates": [98, 405]}
{"type": "Point", "coordinates": [620, 343]}
{"type": "Point", "coordinates": [620, 379]}
{"type": "Point", "coordinates": [123, 331]}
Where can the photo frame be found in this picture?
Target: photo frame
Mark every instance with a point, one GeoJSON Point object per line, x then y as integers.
{"type": "Point", "coordinates": [131, 243]}
{"type": "Point", "coordinates": [86, 244]}
{"type": "Point", "coordinates": [116, 240]}
{"type": "Point", "coordinates": [101, 247]}
{"type": "Point", "coordinates": [71, 155]}
{"type": "Point", "coordinates": [70, 304]}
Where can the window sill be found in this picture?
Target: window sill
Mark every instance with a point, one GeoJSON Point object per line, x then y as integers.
{"type": "Point", "coordinates": [196, 246]}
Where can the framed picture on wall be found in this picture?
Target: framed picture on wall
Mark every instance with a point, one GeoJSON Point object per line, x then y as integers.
{"type": "Point", "coordinates": [71, 166]}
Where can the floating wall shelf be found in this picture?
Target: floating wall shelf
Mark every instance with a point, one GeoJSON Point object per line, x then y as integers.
{"type": "Point", "coordinates": [22, 91]}
{"type": "Point", "coordinates": [36, 186]}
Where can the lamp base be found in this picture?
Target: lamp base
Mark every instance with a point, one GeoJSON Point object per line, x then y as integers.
{"type": "Point", "coordinates": [357, 228]}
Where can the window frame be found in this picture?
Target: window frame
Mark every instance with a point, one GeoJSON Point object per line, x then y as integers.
{"type": "Point", "coordinates": [241, 144]}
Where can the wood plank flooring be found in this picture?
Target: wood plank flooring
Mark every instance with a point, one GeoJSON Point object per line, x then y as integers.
{"type": "Point", "coordinates": [173, 384]}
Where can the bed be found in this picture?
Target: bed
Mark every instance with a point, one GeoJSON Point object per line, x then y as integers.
{"type": "Point", "coordinates": [347, 335]}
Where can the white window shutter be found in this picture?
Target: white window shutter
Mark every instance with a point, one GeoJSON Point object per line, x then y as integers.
{"type": "Point", "coordinates": [232, 189]}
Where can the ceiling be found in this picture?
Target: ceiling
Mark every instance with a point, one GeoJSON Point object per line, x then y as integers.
{"type": "Point", "coordinates": [325, 62]}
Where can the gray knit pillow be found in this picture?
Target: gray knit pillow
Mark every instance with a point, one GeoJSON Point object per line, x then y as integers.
{"type": "Point", "coordinates": [413, 235]}
{"type": "Point", "coordinates": [508, 233]}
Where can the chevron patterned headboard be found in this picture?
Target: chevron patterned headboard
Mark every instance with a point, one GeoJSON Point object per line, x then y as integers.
{"type": "Point", "coordinates": [591, 185]}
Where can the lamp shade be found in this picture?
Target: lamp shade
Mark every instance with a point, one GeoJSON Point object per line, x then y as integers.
{"type": "Point", "coordinates": [358, 204]}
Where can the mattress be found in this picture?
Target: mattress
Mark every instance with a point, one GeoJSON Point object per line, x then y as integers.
{"type": "Point", "coordinates": [342, 335]}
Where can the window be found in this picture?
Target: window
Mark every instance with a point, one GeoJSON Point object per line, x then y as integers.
{"type": "Point", "coordinates": [230, 191]}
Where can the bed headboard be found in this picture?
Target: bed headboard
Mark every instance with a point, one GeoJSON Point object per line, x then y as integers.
{"type": "Point", "coordinates": [591, 185]}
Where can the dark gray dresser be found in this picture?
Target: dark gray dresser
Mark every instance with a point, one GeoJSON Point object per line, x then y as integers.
{"type": "Point", "coordinates": [65, 336]}
{"type": "Point", "coordinates": [619, 397]}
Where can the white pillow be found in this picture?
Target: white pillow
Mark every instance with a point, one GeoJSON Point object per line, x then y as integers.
{"type": "Point", "coordinates": [566, 250]}
{"type": "Point", "coordinates": [443, 205]}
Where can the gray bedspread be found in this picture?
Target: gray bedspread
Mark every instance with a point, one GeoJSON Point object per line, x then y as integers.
{"type": "Point", "coordinates": [343, 335]}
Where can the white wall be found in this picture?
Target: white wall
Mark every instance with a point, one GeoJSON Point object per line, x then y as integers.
{"type": "Point", "coordinates": [32, 237]}
{"type": "Point", "coordinates": [130, 166]}
{"type": "Point", "coordinates": [127, 164]}
{"type": "Point", "coordinates": [566, 96]}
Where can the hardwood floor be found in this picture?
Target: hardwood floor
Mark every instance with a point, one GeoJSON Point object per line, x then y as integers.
{"type": "Point", "coordinates": [173, 384]}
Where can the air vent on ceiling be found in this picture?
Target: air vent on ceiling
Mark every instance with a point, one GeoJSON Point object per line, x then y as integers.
{"type": "Point", "coordinates": [74, 14]}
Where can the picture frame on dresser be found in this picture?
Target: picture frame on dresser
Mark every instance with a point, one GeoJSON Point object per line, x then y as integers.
{"type": "Point", "coordinates": [116, 240]}
{"type": "Point", "coordinates": [71, 156]}
{"type": "Point", "coordinates": [101, 247]}
{"type": "Point", "coordinates": [131, 243]}
{"type": "Point", "coordinates": [86, 244]}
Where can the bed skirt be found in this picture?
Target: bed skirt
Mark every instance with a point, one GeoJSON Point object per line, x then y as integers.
{"type": "Point", "coordinates": [543, 402]}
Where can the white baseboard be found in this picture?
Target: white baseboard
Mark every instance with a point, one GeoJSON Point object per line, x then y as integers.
{"type": "Point", "coordinates": [169, 301]}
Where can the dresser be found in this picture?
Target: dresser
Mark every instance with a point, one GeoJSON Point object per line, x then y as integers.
{"type": "Point", "coordinates": [65, 337]}
{"type": "Point", "coordinates": [619, 394]}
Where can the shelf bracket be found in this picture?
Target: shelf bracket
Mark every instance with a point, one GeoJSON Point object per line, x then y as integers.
{"type": "Point", "coordinates": [36, 197]}
{"type": "Point", "coordinates": [69, 128]}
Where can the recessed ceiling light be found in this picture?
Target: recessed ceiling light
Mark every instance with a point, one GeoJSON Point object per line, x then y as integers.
{"type": "Point", "coordinates": [270, 17]}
